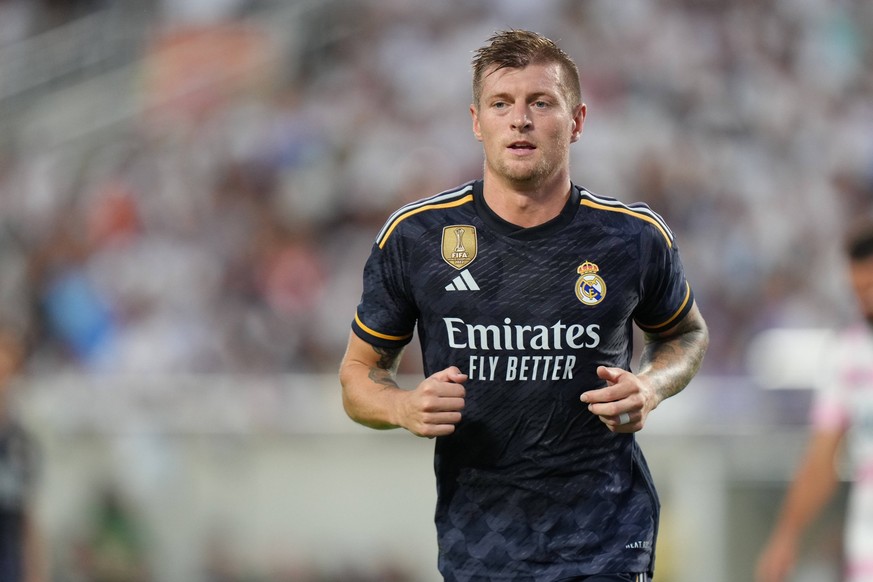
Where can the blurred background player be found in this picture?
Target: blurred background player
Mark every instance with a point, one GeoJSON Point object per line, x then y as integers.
{"type": "Point", "coordinates": [21, 556]}
{"type": "Point", "coordinates": [844, 401]}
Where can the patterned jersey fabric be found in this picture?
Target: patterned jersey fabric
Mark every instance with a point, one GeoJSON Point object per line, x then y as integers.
{"type": "Point", "coordinates": [531, 486]}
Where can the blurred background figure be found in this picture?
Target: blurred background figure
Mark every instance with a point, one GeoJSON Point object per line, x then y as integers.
{"type": "Point", "coordinates": [843, 406]}
{"type": "Point", "coordinates": [22, 557]}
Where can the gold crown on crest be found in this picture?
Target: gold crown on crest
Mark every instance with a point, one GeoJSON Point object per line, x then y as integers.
{"type": "Point", "coordinates": [587, 268]}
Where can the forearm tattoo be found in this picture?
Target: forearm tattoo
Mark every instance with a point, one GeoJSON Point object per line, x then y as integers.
{"type": "Point", "coordinates": [675, 359]}
{"type": "Point", "coordinates": [386, 368]}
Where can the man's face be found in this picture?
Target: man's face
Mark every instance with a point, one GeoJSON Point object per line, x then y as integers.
{"type": "Point", "coordinates": [861, 272]}
{"type": "Point", "coordinates": [525, 124]}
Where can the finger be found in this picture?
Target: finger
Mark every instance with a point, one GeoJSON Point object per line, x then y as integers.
{"type": "Point", "coordinates": [441, 418]}
{"type": "Point", "coordinates": [436, 388]}
{"type": "Point", "coordinates": [451, 374]}
{"type": "Point", "coordinates": [606, 394]}
{"type": "Point", "coordinates": [603, 395]}
{"type": "Point", "coordinates": [441, 424]}
{"type": "Point", "coordinates": [624, 422]}
{"type": "Point", "coordinates": [608, 410]}
{"type": "Point", "coordinates": [445, 375]}
{"type": "Point", "coordinates": [454, 372]}
{"type": "Point", "coordinates": [451, 390]}
{"type": "Point", "coordinates": [441, 430]}
{"type": "Point", "coordinates": [592, 396]}
{"type": "Point", "coordinates": [611, 375]}
{"type": "Point", "coordinates": [448, 405]}
{"type": "Point", "coordinates": [435, 430]}
{"type": "Point", "coordinates": [458, 378]}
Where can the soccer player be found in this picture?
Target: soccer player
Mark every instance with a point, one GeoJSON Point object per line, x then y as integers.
{"type": "Point", "coordinates": [843, 400]}
{"type": "Point", "coordinates": [524, 288]}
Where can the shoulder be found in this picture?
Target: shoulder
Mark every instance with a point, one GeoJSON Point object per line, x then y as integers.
{"type": "Point", "coordinates": [636, 216]}
{"type": "Point", "coordinates": [427, 210]}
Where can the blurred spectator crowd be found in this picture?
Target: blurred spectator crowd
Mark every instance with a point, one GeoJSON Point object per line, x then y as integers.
{"type": "Point", "coordinates": [224, 228]}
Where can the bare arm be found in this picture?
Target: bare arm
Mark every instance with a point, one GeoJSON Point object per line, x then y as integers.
{"type": "Point", "coordinates": [811, 489]}
{"type": "Point", "coordinates": [371, 396]}
{"type": "Point", "coordinates": [669, 361]}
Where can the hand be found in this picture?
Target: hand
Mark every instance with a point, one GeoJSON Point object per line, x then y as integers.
{"type": "Point", "coordinates": [777, 560]}
{"type": "Point", "coordinates": [624, 394]}
{"type": "Point", "coordinates": [434, 407]}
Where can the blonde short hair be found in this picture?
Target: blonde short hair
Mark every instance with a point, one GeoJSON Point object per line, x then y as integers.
{"type": "Point", "coordinates": [517, 49]}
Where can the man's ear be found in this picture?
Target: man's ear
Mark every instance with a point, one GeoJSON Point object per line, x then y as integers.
{"type": "Point", "coordinates": [475, 115]}
{"type": "Point", "coordinates": [578, 121]}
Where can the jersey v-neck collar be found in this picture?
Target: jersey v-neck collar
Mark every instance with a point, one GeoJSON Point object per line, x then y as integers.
{"type": "Point", "coordinates": [506, 228]}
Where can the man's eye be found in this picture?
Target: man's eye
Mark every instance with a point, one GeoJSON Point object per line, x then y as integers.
{"type": "Point", "coordinates": [499, 105]}
{"type": "Point", "coordinates": [540, 104]}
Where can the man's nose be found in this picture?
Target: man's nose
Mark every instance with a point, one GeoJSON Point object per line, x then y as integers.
{"type": "Point", "coordinates": [521, 119]}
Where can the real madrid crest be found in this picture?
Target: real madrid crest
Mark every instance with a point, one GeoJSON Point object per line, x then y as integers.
{"type": "Point", "coordinates": [590, 287]}
{"type": "Point", "coordinates": [459, 245]}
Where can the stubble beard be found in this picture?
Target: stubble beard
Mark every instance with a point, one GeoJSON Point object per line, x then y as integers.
{"type": "Point", "coordinates": [526, 176]}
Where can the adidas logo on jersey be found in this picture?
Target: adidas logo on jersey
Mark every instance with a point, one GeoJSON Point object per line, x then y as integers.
{"type": "Point", "coordinates": [463, 282]}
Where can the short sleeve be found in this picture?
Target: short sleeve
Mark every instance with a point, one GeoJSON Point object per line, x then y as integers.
{"type": "Point", "coordinates": [386, 314]}
{"type": "Point", "coordinates": [666, 295]}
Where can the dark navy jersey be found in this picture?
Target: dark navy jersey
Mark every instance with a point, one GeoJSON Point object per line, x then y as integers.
{"type": "Point", "coordinates": [531, 485]}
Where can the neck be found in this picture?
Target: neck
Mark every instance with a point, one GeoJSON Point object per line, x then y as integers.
{"type": "Point", "coordinates": [526, 207]}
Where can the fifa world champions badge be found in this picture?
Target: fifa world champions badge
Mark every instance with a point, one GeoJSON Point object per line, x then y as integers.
{"type": "Point", "coordinates": [459, 245]}
{"type": "Point", "coordinates": [590, 287]}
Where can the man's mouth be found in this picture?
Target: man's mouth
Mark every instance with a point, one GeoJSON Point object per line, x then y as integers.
{"type": "Point", "coordinates": [522, 145]}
